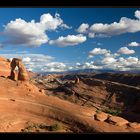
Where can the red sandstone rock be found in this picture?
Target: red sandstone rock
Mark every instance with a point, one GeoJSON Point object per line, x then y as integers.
{"type": "Point", "coordinates": [101, 116]}
{"type": "Point", "coordinates": [4, 67]}
{"type": "Point", "coordinates": [22, 73]}
{"type": "Point", "coordinates": [117, 120]}
{"type": "Point", "coordinates": [134, 125]}
{"type": "Point", "coordinates": [88, 112]}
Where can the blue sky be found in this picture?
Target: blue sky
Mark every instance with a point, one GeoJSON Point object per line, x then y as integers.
{"type": "Point", "coordinates": [61, 39]}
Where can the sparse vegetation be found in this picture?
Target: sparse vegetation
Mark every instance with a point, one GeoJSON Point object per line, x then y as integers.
{"type": "Point", "coordinates": [55, 127]}
{"type": "Point", "coordinates": [33, 127]}
{"type": "Point", "coordinates": [112, 112]}
{"type": "Point", "coordinates": [98, 110]}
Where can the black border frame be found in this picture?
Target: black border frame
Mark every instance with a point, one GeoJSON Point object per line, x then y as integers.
{"type": "Point", "coordinates": [70, 3]}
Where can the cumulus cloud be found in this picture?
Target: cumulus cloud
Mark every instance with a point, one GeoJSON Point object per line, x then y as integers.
{"type": "Point", "coordinates": [70, 40]}
{"type": "Point", "coordinates": [122, 64]}
{"type": "Point", "coordinates": [65, 26]}
{"type": "Point", "coordinates": [125, 50]}
{"type": "Point", "coordinates": [91, 65]}
{"type": "Point", "coordinates": [134, 44]}
{"type": "Point", "coordinates": [54, 67]}
{"type": "Point", "coordinates": [97, 51]}
{"type": "Point", "coordinates": [108, 60]}
{"type": "Point", "coordinates": [26, 59]}
{"type": "Point", "coordinates": [133, 60]}
{"type": "Point", "coordinates": [125, 25]}
{"type": "Point", "coordinates": [83, 28]}
{"type": "Point", "coordinates": [49, 22]}
{"type": "Point", "coordinates": [32, 34]}
{"type": "Point", "coordinates": [91, 35]}
{"type": "Point", "coordinates": [78, 64]}
{"type": "Point", "coordinates": [113, 61]}
{"type": "Point", "coordinates": [86, 65]}
{"type": "Point", "coordinates": [41, 63]}
{"type": "Point", "coordinates": [130, 63]}
{"type": "Point", "coordinates": [137, 14]}
{"type": "Point", "coordinates": [32, 61]}
{"type": "Point", "coordinates": [45, 63]}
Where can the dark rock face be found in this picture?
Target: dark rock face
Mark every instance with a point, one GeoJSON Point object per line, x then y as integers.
{"type": "Point", "coordinates": [129, 79]}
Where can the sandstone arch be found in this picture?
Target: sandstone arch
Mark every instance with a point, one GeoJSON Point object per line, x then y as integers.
{"type": "Point", "coordinates": [22, 73]}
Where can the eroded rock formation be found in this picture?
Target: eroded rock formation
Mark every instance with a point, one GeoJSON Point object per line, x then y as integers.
{"type": "Point", "coordinates": [77, 80]}
{"type": "Point", "coordinates": [4, 67]}
{"type": "Point", "coordinates": [22, 73]}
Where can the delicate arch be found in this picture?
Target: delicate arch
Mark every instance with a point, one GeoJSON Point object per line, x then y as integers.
{"type": "Point", "coordinates": [22, 73]}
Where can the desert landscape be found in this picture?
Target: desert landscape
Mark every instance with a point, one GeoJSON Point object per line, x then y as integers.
{"type": "Point", "coordinates": [70, 70]}
{"type": "Point", "coordinates": [68, 103]}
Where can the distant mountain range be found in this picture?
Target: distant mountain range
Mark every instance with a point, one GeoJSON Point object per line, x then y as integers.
{"type": "Point", "coordinates": [92, 71]}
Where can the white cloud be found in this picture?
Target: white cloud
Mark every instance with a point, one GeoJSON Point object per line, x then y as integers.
{"type": "Point", "coordinates": [113, 61]}
{"type": "Point", "coordinates": [122, 64]}
{"type": "Point", "coordinates": [45, 63]}
{"type": "Point", "coordinates": [132, 59]}
{"type": "Point", "coordinates": [134, 44]}
{"type": "Point", "coordinates": [125, 25]}
{"type": "Point", "coordinates": [130, 63]}
{"type": "Point", "coordinates": [54, 67]}
{"type": "Point", "coordinates": [31, 61]}
{"type": "Point", "coordinates": [65, 26]}
{"type": "Point", "coordinates": [26, 59]}
{"type": "Point", "coordinates": [116, 54]}
{"type": "Point", "coordinates": [137, 14]}
{"type": "Point", "coordinates": [97, 51]}
{"type": "Point", "coordinates": [32, 34]}
{"type": "Point", "coordinates": [78, 64]}
{"type": "Point", "coordinates": [49, 22]}
{"type": "Point", "coordinates": [108, 60]}
{"type": "Point", "coordinates": [70, 40]}
{"type": "Point", "coordinates": [125, 50]}
{"type": "Point", "coordinates": [91, 35]}
{"type": "Point", "coordinates": [91, 65]}
{"type": "Point", "coordinates": [83, 28]}
{"type": "Point", "coordinates": [40, 62]}
{"type": "Point", "coordinates": [86, 65]}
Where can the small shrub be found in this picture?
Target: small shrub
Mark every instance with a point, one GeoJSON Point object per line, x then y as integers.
{"type": "Point", "coordinates": [98, 110]}
{"type": "Point", "coordinates": [113, 112]}
{"type": "Point", "coordinates": [55, 127]}
{"type": "Point", "coordinates": [26, 130]}
{"type": "Point", "coordinates": [42, 126]}
{"type": "Point", "coordinates": [32, 127]}
{"type": "Point", "coordinates": [23, 130]}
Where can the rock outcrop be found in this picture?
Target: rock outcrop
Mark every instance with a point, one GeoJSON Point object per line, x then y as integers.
{"type": "Point", "coordinates": [134, 125]}
{"type": "Point", "coordinates": [77, 80]}
{"type": "Point", "coordinates": [117, 120]}
{"type": "Point", "coordinates": [101, 116]}
{"type": "Point", "coordinates": [4, 67]}
{"type": "Point", "coordinates": [22, 73]}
